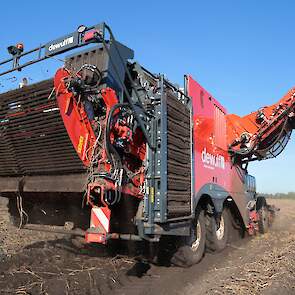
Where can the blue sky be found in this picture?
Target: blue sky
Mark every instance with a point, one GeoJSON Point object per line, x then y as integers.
{"type": "Point", "coordinates": [240, 51]}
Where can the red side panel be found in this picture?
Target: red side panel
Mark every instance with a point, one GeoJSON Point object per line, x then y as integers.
{"type": "Point", "coordinates": [75, 118]}
{"type": "Point", "coordinates": [212, 163]}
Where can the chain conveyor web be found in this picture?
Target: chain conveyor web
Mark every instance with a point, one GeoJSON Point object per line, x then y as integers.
{"type": "Point", "coordinates": [33, 138]}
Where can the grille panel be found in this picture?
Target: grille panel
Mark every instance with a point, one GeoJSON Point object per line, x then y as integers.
{"type": "Point", "coordinates": [33, 138]}
{"type": "Point", "coordinates": [178, 158]}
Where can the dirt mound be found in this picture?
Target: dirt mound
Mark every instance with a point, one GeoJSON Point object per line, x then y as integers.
{"type": "Point", "coordinates": [59, 268]}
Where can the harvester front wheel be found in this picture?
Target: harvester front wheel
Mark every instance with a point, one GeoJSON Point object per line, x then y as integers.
{"type": "Point", "coordinates": [191, 249]}
{"type": "Point", "coordinates": [217, 236]}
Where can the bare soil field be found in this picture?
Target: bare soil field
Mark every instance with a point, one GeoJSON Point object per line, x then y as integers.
{"type": "Point", "coordinates": [46, 263]}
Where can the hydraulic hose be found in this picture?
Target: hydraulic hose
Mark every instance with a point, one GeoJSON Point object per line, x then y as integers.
{"type": "Point", "coordinates": [110, 149]}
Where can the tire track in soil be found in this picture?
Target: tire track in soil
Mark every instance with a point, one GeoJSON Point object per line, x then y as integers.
{"type": "Point", "coordinates": [57, 267]}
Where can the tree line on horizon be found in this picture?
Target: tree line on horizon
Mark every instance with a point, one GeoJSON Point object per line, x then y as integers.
{"type": "Point", "coordinates": [290, 195]}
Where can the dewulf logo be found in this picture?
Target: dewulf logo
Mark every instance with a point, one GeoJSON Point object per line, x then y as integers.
{"type": "Point", "coordinates": [61, 44]}
{"type": "Point", "coordinates": [212, 161]}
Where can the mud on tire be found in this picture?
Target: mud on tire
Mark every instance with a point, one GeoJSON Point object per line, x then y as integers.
{"type": "Point", "coordinates": [191, 249]}
{"type": "Point", "coordinates": [217, 238]}
{"type": "Point", "coordinates": [263, 221]}
{"type": "Point", "coordinates": [263, 215]}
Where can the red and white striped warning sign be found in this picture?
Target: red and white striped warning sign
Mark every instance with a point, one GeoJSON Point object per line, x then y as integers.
{"type": "Point", "coordinates": [100, 218]}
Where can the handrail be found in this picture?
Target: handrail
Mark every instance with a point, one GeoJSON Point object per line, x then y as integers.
{"type": "Point", "coordinates": [55, 47]}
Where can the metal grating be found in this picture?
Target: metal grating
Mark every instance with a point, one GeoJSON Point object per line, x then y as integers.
{"type": "Point", "coordinates": [178, 158]}
{"type": "Point", "coordinates": [33, 138]}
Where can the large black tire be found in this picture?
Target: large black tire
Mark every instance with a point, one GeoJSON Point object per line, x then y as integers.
{"type": "Point", "coordinates": [217, 238]}
{"type": "Point", "coordinates": [191, 249]}
{"type": "Point", "coordinates": [263, 220]}
{"type": "Point", "coordinates": [263, 215]}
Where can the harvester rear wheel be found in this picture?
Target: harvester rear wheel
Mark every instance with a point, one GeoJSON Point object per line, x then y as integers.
{"type": "Point", "coordinates": [191, 249]}
{"type": "Point", "coordinates": [217, 237]}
